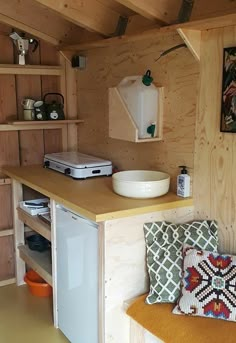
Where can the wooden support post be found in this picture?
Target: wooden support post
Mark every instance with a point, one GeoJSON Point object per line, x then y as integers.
{"type": "Point", "coordinates": [18, 225]}
{"type": "Point", "coordinates": [54, 260]}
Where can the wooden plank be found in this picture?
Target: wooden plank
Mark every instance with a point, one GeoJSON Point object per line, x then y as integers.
{"type": "Point", "coordinates": [5, 208]}
{"type": "Point", "coordinates": [31, 147]}
{"type": "Point", "coordinates": [4, 180]}
{"type": "Point", "coordinates": [4, 233]}
{"type": "Point", "coordinates": [26, 125]}
{"type": "Point", "coordinates": [121, 123]}
{"type": "Point", "coordinates": [7, 98]}
{"type": "Point", "coordinates": [193, 40]}
{"type": "Point", "coordinates": [90, 14]}
{"type": "Point", "coordinates": [52, 141]}
{"type": "Point", "coordinates": [72, 105]}
{"type": "Point", "coordinates": [47, 122]}
{"type": "Point", "coordinates": [17, 196]}
{"type": "Point", "coordinates": [9, 153]}
{"type": "Point", "coordinates": [39, 261]}
{"type": "Point", "coordinates": [52, 138]}
{"type": "Point", "coordinates": [7, 265]}
{"type": "Point", "coordinates": [165, 11]}
{"type": "Point", "coordinates": [30, 70]}
{"type": "Point", "coordinates": [214, 151]}
{"type": "Point", "coordinates": [7, 282]}
{"type": "Point", "coordinates": [54, 260]}
{"type": "Point", "coordinates": [35, 223]}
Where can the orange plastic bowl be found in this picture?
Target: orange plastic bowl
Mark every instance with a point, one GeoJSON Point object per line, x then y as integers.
{"type": "Point", "coordinates": [37, 286]}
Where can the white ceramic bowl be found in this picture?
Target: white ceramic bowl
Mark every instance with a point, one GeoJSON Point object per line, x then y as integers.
{"type": "Point", "coordinates": [140, 183]}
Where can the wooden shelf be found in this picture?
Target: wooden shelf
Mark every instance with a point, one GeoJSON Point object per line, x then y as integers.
{"type": "Point", "coordinates": [35, 223]}
{"type": "Point", "coordinates": [121, 123]}
{"type": "Point", "coordinates": [16, 69]}
{"type": "Point", "coordinates": [39, 261]}
{"type": "Point", "coordinates": [36, 125]}
{"type": "Point", "coordinates": [48, 122]}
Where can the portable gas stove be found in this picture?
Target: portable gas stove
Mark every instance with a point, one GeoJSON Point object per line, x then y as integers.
{"type": "Point", "coordinates": [77, 165]}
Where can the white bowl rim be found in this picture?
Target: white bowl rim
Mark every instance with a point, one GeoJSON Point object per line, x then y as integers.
{"type": "Point", "coordinates": [115, 176]}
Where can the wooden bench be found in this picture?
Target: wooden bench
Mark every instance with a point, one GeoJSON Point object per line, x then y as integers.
{"type": "Point", "coordinates": [170, 328]}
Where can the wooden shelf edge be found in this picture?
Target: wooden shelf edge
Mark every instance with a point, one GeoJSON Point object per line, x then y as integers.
{"type": "Point", "coordinates": [7, 282]}
{"type": "Point", "coordinates": [36, 125]}
{"type": "Point", "coordinates": [4, 179]}
{"type": "Point", "coordinates": [201, 24]}
{"type": "Point", "coordinates": [6, 232]}
{"type": "Point", "coordinates": [16, 69]}
{"type": "Point", "coordinates": [39, 261]}
{"type": "Point", "coordinates": [48, 122]}
{"type": "Point", "coordinates": [35, 223]}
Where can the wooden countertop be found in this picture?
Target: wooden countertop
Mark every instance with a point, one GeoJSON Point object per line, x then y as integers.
{"type": "Point", "coordinates": [92, 198]}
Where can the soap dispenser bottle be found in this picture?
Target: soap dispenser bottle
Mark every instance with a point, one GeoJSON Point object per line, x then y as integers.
{"type": "Point", "coordinates": [183, 183]}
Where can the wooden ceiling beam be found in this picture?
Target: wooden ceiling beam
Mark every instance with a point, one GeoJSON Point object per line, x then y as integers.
{"type": "Point", "coordinates": [165, 11]}
{"type": "Point", "coordinates": [89, 14]}
{"type": "Point", "coordinates": [28, 16]}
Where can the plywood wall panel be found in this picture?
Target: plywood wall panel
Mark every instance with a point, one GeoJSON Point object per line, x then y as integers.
{"type": "Point", "coordinates": [215, 158]}
{"type": "Point", "coordinates": [7, 266]}
{"type": "Point", "coordinates": [9, 150]}
{"type": "Point", "coordinates": [52, 141]}
{"type": "Point", "coordinates": [5, 208]}
{"type": "Point", "coordinates": [177, 72]}
{"type": "Point", "coordinates": [32, 147]}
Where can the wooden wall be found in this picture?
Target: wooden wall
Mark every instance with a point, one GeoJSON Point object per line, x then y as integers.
{"type": "Point", "coordinates": [23, 147]}
{"type": "Point", "coordinates": [215, 152]}
{"type": "Point", "coordinates": [178, 72]}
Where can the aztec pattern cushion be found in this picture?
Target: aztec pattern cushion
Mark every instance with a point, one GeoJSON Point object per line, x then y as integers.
{"type": "Point", "coordinates": [208, 285]}
{"type": "Point", "coordinates": [164, 243]}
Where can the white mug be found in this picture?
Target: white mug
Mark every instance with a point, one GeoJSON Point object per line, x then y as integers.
{"type": "Point", "coordinates": [28, 104]}
{"type": "Point", "coordinates": [28, 114]}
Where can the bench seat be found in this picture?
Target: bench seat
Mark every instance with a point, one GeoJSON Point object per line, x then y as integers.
{"type": "Point", "coordinates": [170, 328]}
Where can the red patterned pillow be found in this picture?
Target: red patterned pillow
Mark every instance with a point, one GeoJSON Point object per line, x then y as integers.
{"type": "Point", "coordinates": [208, 285]}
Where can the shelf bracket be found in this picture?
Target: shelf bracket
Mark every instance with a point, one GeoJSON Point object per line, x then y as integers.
{"type": "Point", "coordinates": [192, 38]}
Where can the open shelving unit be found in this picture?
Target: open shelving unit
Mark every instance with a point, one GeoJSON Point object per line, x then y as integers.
{"type": "Point", "coordinates": [39, 261]}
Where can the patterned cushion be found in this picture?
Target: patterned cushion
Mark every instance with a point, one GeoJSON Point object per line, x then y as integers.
{"type": "Point", "coordinates": [164, 243]}
{"type": "Point", "coordinates": [208, 285]}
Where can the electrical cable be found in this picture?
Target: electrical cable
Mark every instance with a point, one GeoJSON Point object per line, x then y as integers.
{"type": "Point", "coordinates": [183, 45]}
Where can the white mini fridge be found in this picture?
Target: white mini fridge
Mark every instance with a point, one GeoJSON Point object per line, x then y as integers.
{"type": "Point", "coordinates": [77, 277]}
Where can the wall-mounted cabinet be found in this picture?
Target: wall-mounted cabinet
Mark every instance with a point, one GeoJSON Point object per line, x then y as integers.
{"type": "Point", "coordinates": [121, 123]}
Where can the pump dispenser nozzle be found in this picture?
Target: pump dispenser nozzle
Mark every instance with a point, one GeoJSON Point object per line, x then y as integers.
{"type": "Point", "coordinates": [183, 170]}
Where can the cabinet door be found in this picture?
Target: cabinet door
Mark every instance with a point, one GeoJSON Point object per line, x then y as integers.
{"type": "Point", "coordinates": [77, 277]}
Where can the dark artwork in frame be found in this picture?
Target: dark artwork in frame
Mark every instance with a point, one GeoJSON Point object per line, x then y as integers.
{"type": "Point", "coordinates": [228, 104]}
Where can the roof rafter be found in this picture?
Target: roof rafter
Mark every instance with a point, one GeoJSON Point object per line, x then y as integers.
{"type": "Point", "coordinates": [165, 11]}
{"type": "Point", "coordinates": [89, 14]}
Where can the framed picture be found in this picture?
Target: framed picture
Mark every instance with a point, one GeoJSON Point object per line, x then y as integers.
{"type": "Point", "coordinates": [228, 105]}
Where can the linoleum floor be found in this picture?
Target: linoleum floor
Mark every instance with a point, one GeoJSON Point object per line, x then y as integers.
{"type": "Point", "coordinates": [25, 318]}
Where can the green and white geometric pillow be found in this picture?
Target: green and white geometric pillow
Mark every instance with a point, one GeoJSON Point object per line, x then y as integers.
{"type": "Point", "coordinates": [164, 243]}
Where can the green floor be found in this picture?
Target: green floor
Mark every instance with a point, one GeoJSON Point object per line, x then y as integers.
{"type": "Point", "coordinates": [25, 318]}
